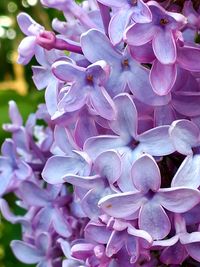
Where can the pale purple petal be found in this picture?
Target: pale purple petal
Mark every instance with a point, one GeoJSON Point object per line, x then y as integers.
{"type": "Point", "coordinates": [61, 225]}
{"type": "Point", "coordinates": [174, 254]}
{"type": "Point", "coordinates": [188, 174]}
{"type": "Point", "coordinates": [14, 114]}
{"type": "Point", "coordinates": [5, 175]}
{"type": "Point", "coordinates": [157, 141]}
{"type": "Point", "coordinates": [26, 253]}
{"type": "Point", "coordinates": [51, 94]}
{"type": "Point", "coordinates": [64, 140]}
{"type": "Point", "coordinates": [90, 201]}
{"type": "Point", "coordinates": [115, 242]}
{"type": "Point", "coordinates": [139, 34]}
{"type": "Point", "coordinates": [57, 167]}
{"type": "Point", "coordinates": [34, 195]}
{"type": "Point", "coordinates": [188, 58]}
{"type": "Point", "coordinates": [74, 99]}
{"type": "Point", "coordinates": [164, 115]}
{"type": "Point", "coordinates": [43, 242]}
{"type": "Point", "coordinates": [147, 178]}
{"type": "Point", "coordinates": [162, 77]}
{"type": "Point", "coordinates": [140, 233]}
{"type": "Point", "coordinates": [187, 103]}
{"type": "Point", "coordinates": [98, 233]}
{"type": "Point", "coordinates": [41, 77]}
{"type": "Point", "coordinates": [26, 50]}
{"type": "Point", "coordinates": [114, 3]}
{"type": "Point", "coordinates": [125, 124]}
{"type": "Point", "coordinates": [85, 128]}
{"type": "Point", "coordinates": [153, 220]}
{"type": "Point", "coordinates": [87, 182]}
{"type": "Point", "coordinates": [185, 135]}
{"type": "Point", "coordinates": [164, 47]}
{"type": "Point", "coordinates": [178, 199]}
{"type": "Point", "coordinates": [122, 204]}
{"type": "Point", "coordinates": [108, 164]}
{"type": "Point", "coordinates": [102, 103]}
{"type": "Point", "coordinates": [193, 250]}
{"type": "Point", "coordinates": [25, 23]}
{"type": "Point", "coordinates": [141, 12]}
{"type": "Point", "coordinates": [94, 146]}
{"type": "Point", "coordinates": [141, 88]}
{"type": "Point", "coordinates": [102, 50]}
{"type": "Point", "coordinates": [66, 71]}
{"type": "Point", "coordinates": [118, 24]}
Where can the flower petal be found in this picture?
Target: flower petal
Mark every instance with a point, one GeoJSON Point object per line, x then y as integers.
{"type": "Point", "coordinates": [126, 122]}
{"type": "Point", "coordinates": [26, 253]}
{"type": "Point", "coordinates": [67, 72]}
{"type": "Point", "coordinates": [184, 135]}
{"type": "Point", "coordinates": [122, 204]}
{"type": "Point", "coordinates": [57, 167]}
{"type": "Point", "coordinates": [102, 103]}
{"type": "Point", "coordinates": [33, 195]}
{"type": "Point", "coordinates": [97, 232]}
{"type": "Point", "coordinates": [147, 178]}
{"type": "Point", "coordinates": [118, 25]}
{"type": "Point", "coordinates": [94, 146]}
{"type": "Point", "coordinates": [156, 141]}
{"type": "Point", "coordinates": [164, 115]}
{"type": "Point", "coordinates": [115, 242]}
{"type": "Point", "coordinates": [153, 220]}
{"type": "Point", "coordinates": [139, 34]}
{"type": "Point", "coordinates": [108, 164]}
{"type": "Point", "coordinates": [178, 199]}
{"type": "Point", "coordinates": [189, 57]}
{"type": "Point", "coordinates": [141, 12]}
{"type": "Point", "coordinates": [87, 182]}
{"type": "Point", "coordinates": [61, 225]}
{"type": "Point", "coordinates": [102, 50]}
{"type": "Point", "coordinates": [188, 174]}
{"type": "Point", "coordinates": [162, 77]}
{"type": "Point", "coordinates": [164, 47]}
{"type": "Point", "coordinates": [74, 99]}
{"type": "Point", "coordinates": [173, 255]}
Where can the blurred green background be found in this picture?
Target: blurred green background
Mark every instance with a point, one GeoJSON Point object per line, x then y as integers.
{"type": "Point", "coordinates": [16, 84]}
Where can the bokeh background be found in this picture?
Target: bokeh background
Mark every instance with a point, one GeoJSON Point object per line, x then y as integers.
{"type": "Point", "coordinates": [16, 84]}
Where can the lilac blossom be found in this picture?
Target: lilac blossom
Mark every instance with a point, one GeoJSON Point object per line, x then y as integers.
{"type": "Point", "coordinates": [126, 10]}
{"type": "Point", "coordinates": [111, 178]}
{"type": "Point", "coordinates": [13, 170]}
{"type": "Point", "coordinates": [147, 197]}
{"type": "Point", "coordinates": [162, 31]}
{"type": "Point", "coordinates": [40, 252]}
{"type": "Point", "coordinates": [87, 88]}
{"type": "Point", "coordinates": [125, 71]}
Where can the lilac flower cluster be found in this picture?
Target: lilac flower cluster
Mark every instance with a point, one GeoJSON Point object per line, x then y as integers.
{"type": "Point", "coordinates": [111, 177]}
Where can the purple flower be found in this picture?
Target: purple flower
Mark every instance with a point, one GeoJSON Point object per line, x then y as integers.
{"type": "Point", "coordinates": [147, 197]}
{"type": "Point", "coordinates": [126, 10]}
{"type": "Point", "coordinates": [162, 31]}
{"type": "Point", "coordinates": [128, 142]}
{"type": "Point", "coordinates": [87, 88]}
{"type": "Point", "coordinates": [111, 178]}
{"type": "Point", "coordinates": [177, 248]}
{"type": "Point", "coordinates": [40, 253]}
{"type": "Point", "coordinates": [13, 170]}
{"type": "Point", "coordinates": [125, 71]}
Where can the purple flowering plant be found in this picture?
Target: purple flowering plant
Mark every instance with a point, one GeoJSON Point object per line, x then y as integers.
{"type": "Point", "coordinates": [112, 177]}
